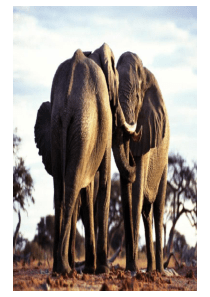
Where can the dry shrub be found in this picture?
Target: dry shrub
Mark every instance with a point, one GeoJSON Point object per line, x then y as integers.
{"type": "Point", "coordinates": [85, 277]}
{"type": "Point", "coordinates": [145, 277]}
{"type": "Point", "coordinates": [34, 282]}
{"type": "Point", "coordinates": [190, 274]}
{"type": "Point", "coordinates": [120, 274]}
{"type": "Point", "coordinates": [73, 274]}
{"type": "Point", "coordinates": [105, 287]}
{"type": "Point", "coordinates": [58, 283]}
{"type": "Point", "coordinates": [21, 286]}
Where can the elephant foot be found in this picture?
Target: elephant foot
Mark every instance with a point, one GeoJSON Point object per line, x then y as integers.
{"type": "Point", "coordinates": [88, 270]}
{"type": "Point", "coordinates": [132, 267]}
{"type": "Point", "coordinates": [160, 269]}
{"type": "Point", "coordinates": [150, 268]}
{"type": "Point", "coordinates": [102, 269]}
{"type": "Point", "coordinates": [62, 268]}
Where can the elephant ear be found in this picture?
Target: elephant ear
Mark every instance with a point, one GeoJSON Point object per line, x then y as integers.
{"type": "Point", "coordinates": [152, 117]}
{"type": "Point", "coordinates": [42, 135]}
{"type": "Point", "coordinates": [106, 61]}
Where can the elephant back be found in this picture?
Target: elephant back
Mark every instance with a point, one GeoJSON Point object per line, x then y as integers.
{"type": "Point", "coordinates": [42, 134]}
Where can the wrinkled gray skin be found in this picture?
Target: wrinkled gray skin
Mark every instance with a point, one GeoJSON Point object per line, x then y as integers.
{"type": "Point", "coordinates": [80, 212]}
{"type": "Point", "coordinates": [143, 164]}
{"type": "Point", "coordinates": [74, 133]}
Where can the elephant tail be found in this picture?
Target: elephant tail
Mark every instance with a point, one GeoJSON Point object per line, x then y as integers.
{"type": "Point", "coordinates": [42, 134]}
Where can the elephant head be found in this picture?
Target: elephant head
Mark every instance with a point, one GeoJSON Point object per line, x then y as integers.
{"type": "Point", "coordinates": [142, 106]}
{"type": "Point", "coordinates": [104, 57]}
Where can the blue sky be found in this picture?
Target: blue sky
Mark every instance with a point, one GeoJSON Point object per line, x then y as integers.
{"type": "Point", "coordinates": [165, 38]}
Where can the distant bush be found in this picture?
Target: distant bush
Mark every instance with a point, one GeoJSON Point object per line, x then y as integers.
{"type": "Point", "coordinates": [37, 253]}
{"type": "Point", "coordinates": [79, 245]}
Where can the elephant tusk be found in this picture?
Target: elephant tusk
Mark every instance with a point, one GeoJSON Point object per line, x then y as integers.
{"type": "Point", "coordinates": [137, 135]}
{"type": "Point", "coordinates": [130, 128]}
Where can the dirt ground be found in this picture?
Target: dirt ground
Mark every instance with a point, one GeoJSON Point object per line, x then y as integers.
{"type": "Point", "coordinates": [36, 277]}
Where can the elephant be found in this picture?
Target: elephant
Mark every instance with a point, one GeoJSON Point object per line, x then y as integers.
{"type": "Point", "coordinates": [73, 133]}
{"type": "Point", "coordinates": [142, 161]}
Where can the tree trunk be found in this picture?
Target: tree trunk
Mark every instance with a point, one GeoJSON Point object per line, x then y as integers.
{"type": "Point", "coordinates": [16, 232]}
{"type": "Point", "coordinates": [171, 234]}
{"type": "Point", "coordinates": [170, 240]}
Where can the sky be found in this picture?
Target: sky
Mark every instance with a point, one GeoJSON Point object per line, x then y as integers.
{"type": "Point", "coordinates": [165, 39]}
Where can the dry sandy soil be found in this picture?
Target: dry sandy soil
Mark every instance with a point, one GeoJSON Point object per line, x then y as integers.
{"type": "Point", "coordinates": [41, 278]}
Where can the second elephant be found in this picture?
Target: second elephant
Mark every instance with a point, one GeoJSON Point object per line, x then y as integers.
{"type": "Point", "coordinates": [143, 164]}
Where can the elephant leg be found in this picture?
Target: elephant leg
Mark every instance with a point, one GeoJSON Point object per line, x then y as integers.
{"type": "Point", "coordinates": [71, 194]}
{"type": "Point", "coordinates": [159, 205]}
{"type": "Point", "coordinates": [147, 214]}
{"type": "Point", "coordinates": [126, 193]}
{"type": "Point", "coordinates": [96, 221]}
{"type": "Point", "coordinates": [87, 204]}
{"type": "Point", "coordinates": [103, 201]}
{"type": "Point", "coordinates": [137, 203]}
{"type": "Point", "coordinates": [72, 239]}
{"type": "Point", "coordinates": [58, 219]}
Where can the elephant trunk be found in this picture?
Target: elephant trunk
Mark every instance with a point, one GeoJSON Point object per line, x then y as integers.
{"type": "Point", "coordinates": [121, 121]}
{"type": "Point", "coordinates": [125, 164]}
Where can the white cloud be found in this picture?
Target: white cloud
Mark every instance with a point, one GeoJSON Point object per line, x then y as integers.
{"type": "Point", "coordinates": [185, 146]}
{"type": "Point", "coordinates": [38, 51]}
{"type": "Point", "coordinates": [175, 80]}
{"type": "Point", "coordinates": [24, 119]}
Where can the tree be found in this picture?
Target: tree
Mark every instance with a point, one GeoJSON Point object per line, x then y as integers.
{"type": "Point", "coordinates": [21, 242]}
{"type": "Point", "coordinates": [179, 242]}
{"type": "Point", "coordinates": [35, 250]}
{"type": "Point", "coordinates": [22, 184]}
{"type": "Point", "coordinates": [45, 236]}
{"type": "Point", "coordinates": [181, 195]}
